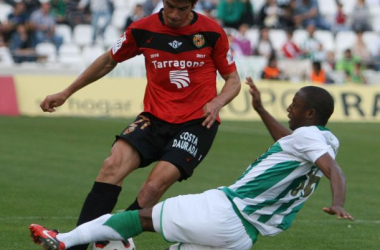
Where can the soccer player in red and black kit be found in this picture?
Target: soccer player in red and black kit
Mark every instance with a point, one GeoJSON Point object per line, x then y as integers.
{"type": "Point", "coordinates": [183, 51]}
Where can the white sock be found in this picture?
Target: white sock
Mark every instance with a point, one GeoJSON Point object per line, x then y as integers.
{"type": "Point", "coordinates": [90, 232]}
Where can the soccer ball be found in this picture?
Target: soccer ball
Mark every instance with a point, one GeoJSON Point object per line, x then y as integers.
{"type": "Point", "coordinates": [114, 245]}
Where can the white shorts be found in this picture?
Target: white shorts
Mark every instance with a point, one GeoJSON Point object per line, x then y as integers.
{"type": "Point", "coordinates": [200, 221]}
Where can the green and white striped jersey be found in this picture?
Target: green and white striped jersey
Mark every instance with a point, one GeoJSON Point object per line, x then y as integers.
{"type": "Point", "coordinates": [274, 188]}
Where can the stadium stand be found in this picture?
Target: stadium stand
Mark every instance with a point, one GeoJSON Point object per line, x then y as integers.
{"type": "Point", "coordinates": [78, 47]}
{"type": "Point", "coordinates": [82, 35]}
{"type": "Point", "coordinates": [47, 52]}
{"type": "Point", "coordinates": [65, 31]}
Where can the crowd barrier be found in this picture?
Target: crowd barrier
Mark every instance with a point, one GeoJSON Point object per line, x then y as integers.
{"type": "Point", "coordinates": [122, 97]}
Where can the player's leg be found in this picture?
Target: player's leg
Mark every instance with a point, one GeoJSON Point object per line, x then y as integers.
{"type": "Point", "coordinates": [182, 152]}
{"type": "Point", "coordinates": [163, 175]}
{"type": "Point", "coordinates": [130, 151]}
{"type": "Point", "coordinates": [103, 196]}
{"type": "Point", "coordinates": [119, 226]}
{"type": "Point", "coordinates": [207, 219]}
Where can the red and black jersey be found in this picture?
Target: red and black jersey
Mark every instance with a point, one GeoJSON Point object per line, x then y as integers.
{"type": "Point", "coordinates": [181, 64]}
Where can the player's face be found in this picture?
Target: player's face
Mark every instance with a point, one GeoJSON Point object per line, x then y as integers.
{"type": "Point", "coordinates": [177, 13]}
{"type": "Point", "coordinates": [297, 111]}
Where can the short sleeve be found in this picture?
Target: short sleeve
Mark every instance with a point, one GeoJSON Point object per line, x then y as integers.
{"type": "Point", "coordinates": [309, 144]}
{"type": "Point", "coordinates": [222, 56]}
{"type": "Point", "coordinates": [125, 47]}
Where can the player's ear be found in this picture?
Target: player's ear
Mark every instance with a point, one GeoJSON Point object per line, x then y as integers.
{"type": "Point", "coordinates": [311, 114]}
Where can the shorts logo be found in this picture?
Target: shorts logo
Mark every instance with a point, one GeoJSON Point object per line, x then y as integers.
{"type": "Point", "coordinates": [179, 78]}
{"type": "Point", "coordinates": [187, 142]}
{"type": "Point", "coordinates": [143, 122]}
{"type": "Point", "coordinates": [199, 40]}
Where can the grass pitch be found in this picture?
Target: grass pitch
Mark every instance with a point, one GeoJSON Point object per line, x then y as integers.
{"type": "Point", "coordinates": [48, 166]}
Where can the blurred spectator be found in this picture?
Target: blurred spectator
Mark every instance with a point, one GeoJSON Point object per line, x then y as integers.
{"type": "Point", "coordinates": [43, 25]}
{"type": "Point", "coordinates": [138, 13]}
{"type": "Point", "coordinates": [269, 15]}
{"type": "Point", "coordinates": [58, 10]}
{"type": "Point", "coordinates": [100, 10]}
{"type": "Point", "coordinates": [286, 19]}
{"type": "Point", "coordinates": [248, 14]}
{"type": "Point", "coordinates": [340, 20]}
{"type": "Point", "coordinates": [317, 74]}
{"type": "Point", "coordinates": [290, 49]}
{"type": "Point", "coordinates": [74, 15]}
{"type": "Point", "coordinates": [357, 74]}
{"type": "Point", "coordinates": [10, 2]}
{"type": "Point", "coordinates": [18, 16]}
{"type": "Point", "coordinates": [307, 12]}
{"type": "Point", "coordinates": [330, 59]}
{"type": "Point", "coordinates": [283, 3]}
{"type": "Point", "coordinates": [347, 63]}
{"type": "Point", "coordinates": [264, 46]}
{"type": "Point", "coordinates": [230, 13]}
{"type": "Point", "coordinates": [31, 6]}
{"type": "Point", "coordinates": [320, 53]}
{"type": "Point", "coordinates": [271, 71]}
{"type": "Point", "coordinates": [148, 6]}
{"type": "Point", "coordinates": [375, 54]}
{"type": "Point", "coordinates": [310, 46]}
{"type": "Point", "coordinates": [21, 46]}
{"type": "Point", "coordinates": [361, 17]}
{"type": "Point", "coordinates": [241, 39]}
{"type": "Point", "coordinates": [235, 49]}
{"type": "Point", "coordinates": [209, 8]}
{"type": "Point", "coordinates": [360, 49]}
{"type": "Point", "coordinates": [5, 54]}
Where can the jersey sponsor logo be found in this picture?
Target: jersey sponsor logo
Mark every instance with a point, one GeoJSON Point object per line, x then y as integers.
{"type": "Point", "coordinates": [154, 55]}
{"type": "Point", "coordinates": [177, 64]}
{"type": "Point", "coordinates": [199, 40]}
{"type": "Point", "coordinates": [119, 43]}
{"type": "Point", "coordinates": [201, 56]}
{"type": "Point", "coordinates": [180, 78]}
{"type": "Point", "coordinates": [175, 44]}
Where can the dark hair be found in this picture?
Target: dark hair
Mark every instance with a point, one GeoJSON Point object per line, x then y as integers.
{"type": "Point", "coordinates": [193, 2]}
{"type": "Point", "coordinates": [321, 101]}
{"type": "Point", "coordinates": [317, 65]}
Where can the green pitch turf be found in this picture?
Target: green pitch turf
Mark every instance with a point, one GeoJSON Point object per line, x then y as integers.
{"type": "Point", "coordinates": [48, 166]}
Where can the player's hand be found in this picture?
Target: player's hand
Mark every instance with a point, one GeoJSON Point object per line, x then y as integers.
{"type": "Point", "coordinates": [339, 211]}
{"type": "Point", "coordinates": [255, 93]}
{"type": "Point", "coordinates": [211, 112]}
{"type": "Point", "coordinates": [52, 101]}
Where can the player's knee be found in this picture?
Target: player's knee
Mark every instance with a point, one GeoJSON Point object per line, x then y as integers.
{"type": "Point", "coordinates": [152, 187]}
{"type": "Point", "coordinates": [110, 167]}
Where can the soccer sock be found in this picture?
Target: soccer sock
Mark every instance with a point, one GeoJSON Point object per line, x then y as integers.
{"type": "Point", "coordinates": [127, 223]}
{"type": "Point", "coordinates": [91, 231]}
{"type": "Point", "coordinates": [134, 206]}
{"type": "Point", "coordinates": [101, 200]}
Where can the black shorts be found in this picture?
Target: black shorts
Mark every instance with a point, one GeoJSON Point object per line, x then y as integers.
{"type": "Point", "coordinates": [184, 145]}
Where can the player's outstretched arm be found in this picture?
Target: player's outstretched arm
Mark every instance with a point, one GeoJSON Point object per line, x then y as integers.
{"type": "Point", "coordinates": [276, 129]}
{"type": "Point", "coordinates": [331, 170]}
{"type": "Point", "coordinates": [229, 91]}
{"type": "Point", "coordinates": [99, 68]}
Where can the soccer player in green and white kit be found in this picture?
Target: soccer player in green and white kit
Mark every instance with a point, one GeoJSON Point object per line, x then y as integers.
{"type": "Point", "coordinates": [264, 200]}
